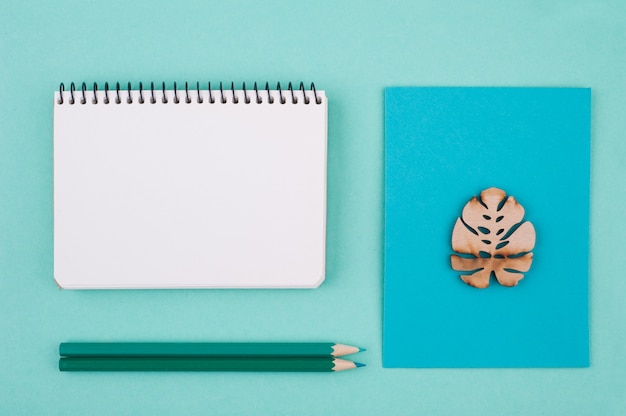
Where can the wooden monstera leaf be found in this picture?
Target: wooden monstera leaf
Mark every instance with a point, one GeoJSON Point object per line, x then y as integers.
{"type": "Point", "coordinates": [492, 238]}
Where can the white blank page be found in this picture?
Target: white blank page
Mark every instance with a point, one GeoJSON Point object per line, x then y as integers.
{"type": "Point", "coordinates": [189, 195]}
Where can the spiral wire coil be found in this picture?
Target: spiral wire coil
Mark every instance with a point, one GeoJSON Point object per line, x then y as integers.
{"type": "Point", "coordinates": [117, 95]}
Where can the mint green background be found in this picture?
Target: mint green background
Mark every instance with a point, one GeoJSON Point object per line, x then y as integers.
{"type": "Point", "coordinates": [352, 50]}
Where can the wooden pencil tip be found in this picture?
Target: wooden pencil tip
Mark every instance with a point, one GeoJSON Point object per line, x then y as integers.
{"type": "Point", "coordinates": [362, 349]}
{"type": "Point", "coordinates": [342, 349]}
{"type": "Point", "coordinates": [340, 365]}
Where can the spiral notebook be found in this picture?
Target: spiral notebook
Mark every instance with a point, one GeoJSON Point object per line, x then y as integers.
{"type": "Point", "coordinates": [189, 187]}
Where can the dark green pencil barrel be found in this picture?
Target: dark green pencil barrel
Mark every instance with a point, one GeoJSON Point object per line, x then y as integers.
{"type": "Point", "coordinates": [194, 364]}
{"type": "Point", "coordinates": [194, 349]}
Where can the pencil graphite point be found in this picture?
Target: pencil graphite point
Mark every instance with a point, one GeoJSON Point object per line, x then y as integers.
{"type": "Point", "coordinates": [359, 364]}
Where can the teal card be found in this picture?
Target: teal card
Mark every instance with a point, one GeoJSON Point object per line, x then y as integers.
{"type": "Point", "coordinates": [444, 146]}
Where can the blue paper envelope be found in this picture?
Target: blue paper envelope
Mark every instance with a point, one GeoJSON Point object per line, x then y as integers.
{"type": "Point", "coordinates": [442, 147]}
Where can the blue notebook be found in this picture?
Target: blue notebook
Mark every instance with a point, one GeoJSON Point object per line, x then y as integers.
{"type": "Point", "coordinates": [444, 146]}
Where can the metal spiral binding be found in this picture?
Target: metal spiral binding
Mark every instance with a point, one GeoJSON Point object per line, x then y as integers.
{"type": "Point", "coordinates": [81, 97]}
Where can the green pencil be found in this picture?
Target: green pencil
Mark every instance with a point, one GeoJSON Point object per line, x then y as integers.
{"type": "Point", "coordinates": [205, 364]}
{"type": "Point", "coordinates": [205, 349]}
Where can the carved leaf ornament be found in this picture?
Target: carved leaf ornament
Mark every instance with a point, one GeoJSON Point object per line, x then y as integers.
{"type": "Point", "coordinates": [491, 238]}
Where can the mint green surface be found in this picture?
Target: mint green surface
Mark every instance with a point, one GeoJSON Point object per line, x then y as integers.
{"type": "Point", "coordinates": [352, 50]}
